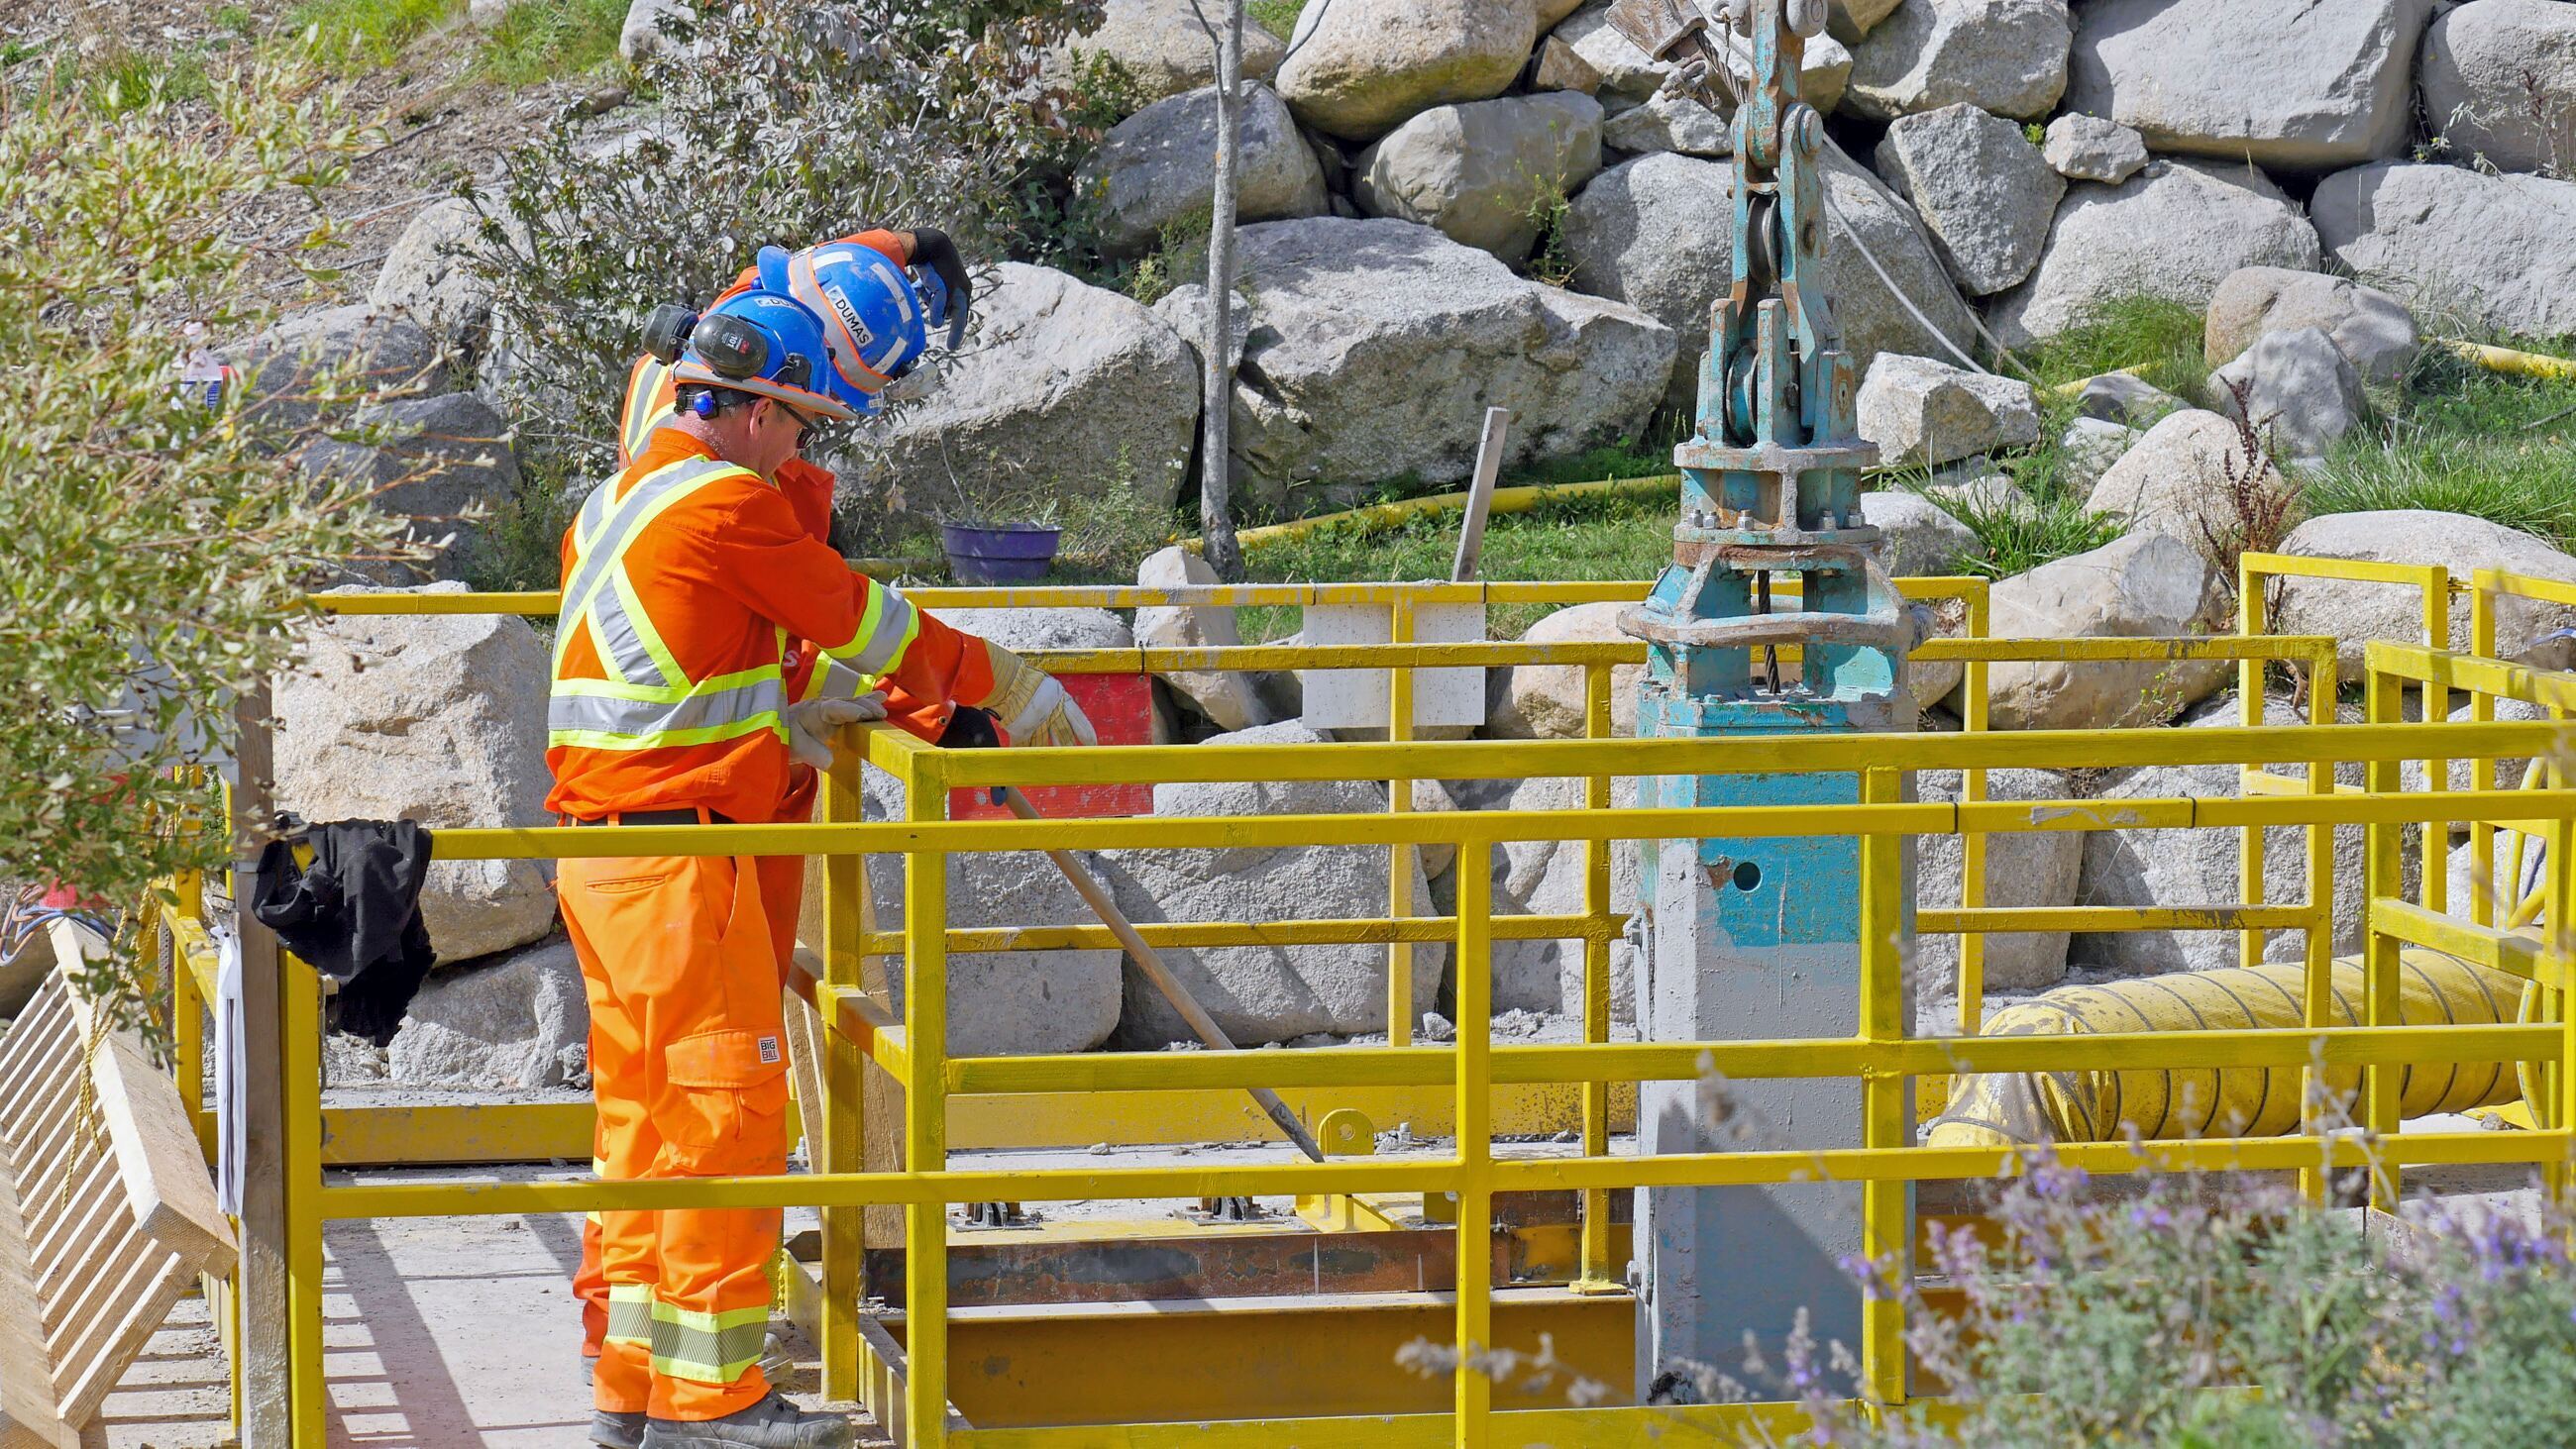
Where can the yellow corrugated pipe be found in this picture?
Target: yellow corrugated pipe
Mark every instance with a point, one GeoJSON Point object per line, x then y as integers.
{"type": "Point", "coordinates": [2009, 1109]}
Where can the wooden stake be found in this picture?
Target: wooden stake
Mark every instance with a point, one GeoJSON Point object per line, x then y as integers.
{"type": "Point", "coordinates": [1480, 496]}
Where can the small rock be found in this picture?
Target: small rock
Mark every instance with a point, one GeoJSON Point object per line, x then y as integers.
{"type": "Point", "coordinates": [2298, 389]}
{"type": "Point", "coordinates": [1357, 69]}
{"type": "Point", "coordinates": [2126, 399]}
{"type": "Point", "coordinates": [1921, 412]}
{"type": "Point", "coordinates": [2088, 148]}
{"type": "Point", "coordinates": [2089, 449]}
{"type": "Point", "coordinates": [1669, 123]}
{"type": "Point", "coordinates": [1482, 172]}
{"type": "Point", "coordinates": [1227, 698]}
{"type": "Point", "coordinates": [2003, 56]}
{"type": "Point", "coordinates": [1627, 76]}
{"type": "Point", "coordinates": [1981, 188]}
{"type": "Point", "coordinates": [1562, 68]}
{"type": "Point", "coordinates": [1919, 538]}
{"type": "Point", "coordinates": [515, 1022]}
{"type": "Point", "coordinates": [1436, 1027]}
{"type": "Point", "coordinates": [2371, 328]}
{"type": "Point", "coordinates": [600, 100]}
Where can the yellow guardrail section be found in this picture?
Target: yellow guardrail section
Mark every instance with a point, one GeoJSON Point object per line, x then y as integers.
{"type": "Point", "coordinates": [860, 1030]}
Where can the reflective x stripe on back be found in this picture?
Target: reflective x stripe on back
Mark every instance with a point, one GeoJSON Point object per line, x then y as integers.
{"type": "Point", "coordinates": [649, 701]}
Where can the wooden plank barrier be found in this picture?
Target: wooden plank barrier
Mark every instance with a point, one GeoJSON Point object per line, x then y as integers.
{"type": "Point", "coordinates": [106, 1214]}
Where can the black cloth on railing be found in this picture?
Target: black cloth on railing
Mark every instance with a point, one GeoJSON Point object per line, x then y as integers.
{"type": "Point", "coordinates": [354, 915]}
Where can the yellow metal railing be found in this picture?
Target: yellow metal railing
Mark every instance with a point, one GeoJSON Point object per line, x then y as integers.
{"type": "Point", "coordinates": [860, 1030]}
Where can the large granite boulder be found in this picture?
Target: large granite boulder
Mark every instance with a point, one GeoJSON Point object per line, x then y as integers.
{"type": "Point", "coordinates": [1375, 345]}
{"type": "Point", "coordinates": [1266, 993]}
{"type": "Point", "coordinates": [1483, 172]}
{"type": "Point", "coordinates": [1984, 192]}
{"type": "Point", "coordinates": [2500, 83]}
{"type": "Point", "coordinates": [1545, 701]}
{"type": "Point", "coordinates": [2356, 613]}
{"type": "Point", "coordinates": [2003, 56]}
{"type": "Point", "coordinates": [1918, 537]}
{"type": "Point", "coordinates": [2372, 329]}
{"type": "Point", "coordinates": [443, 463]}
{"type": "Point", "coordinates": [1357, 69]}
{"type": "Point", "coordinates": [332, 359]}
{"type": "Point", "coordinates": [2176, 478]}
{"type": "Point", "coordinates": [1000, 1003]}
{"type": "Point", "coordinates": [2175, 230]}
{"type": "Point", "coordinates": [1156, 169]}
{"type": "Point", "coordinates": [2491, 250]}
{"type": "Point", "coordinates": [428, 280]}
{"type": "Point", "coordinates": [1164, 49]}
{"type": "Point", "coordinates": [2302, 87]}
{"type": "Point", "coordinates": [509, 1023]}
{"type": "Point", "coordinates": [2024, 870]}
{"type": "Point", "coordinates": [2184, 867]}
{"type": "Point", "coordinates": [1659, 234]}
{"type": "Point", "coordinates": [1667, 123]}
{"type": "Point", "coordinates": [2298, 390]}
{"type": "Point", "coordinates": [1059, 382]}
{"type": "Point", "coordinates": [1923, 413]}
{"type": "Point", "coordinates": [438, 718]}
{"type": "Point", "coordinates": [2147, 585]}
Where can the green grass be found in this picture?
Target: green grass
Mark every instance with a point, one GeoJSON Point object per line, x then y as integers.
{"type": "Point", "coordinates": [1577, 538]}
{"type": "Point", "coordinates": [358, 35]}
{"type": "Point", "coordinates": [542, 40]}
{"type": "Point", "coordinates": [2121, 332]}
{"type": "Point", "coordinates": [2460, 439]}
{"type": "Point", "coordinates": [1279, 17]}
{"type": "Point", "coordinates": [124, 80]}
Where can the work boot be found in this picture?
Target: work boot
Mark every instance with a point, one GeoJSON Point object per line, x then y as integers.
{"type": "Point", "coordinates": [773, 1423]}
{"type": "Point", "coordinates": [616, 1431]}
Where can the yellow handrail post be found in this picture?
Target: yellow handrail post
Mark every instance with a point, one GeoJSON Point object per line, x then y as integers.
{"type": "Point", "coordinates": [1975, 718]}
{"type": "Point", "coordinates": [1886, 1245]}
{"type": "Point", "coordinates": [1475, 1336]}
{"type": "Point", "coordinates": [1400, 858]}
{"type": "Point", "coordinates": [2383, 844]}
{"type": "Point", "coordinates": [300, 1070]}
{"type": "Point", "coordinates": [2318, 938]}
{"type": "Point", "coordinates": [2252, 611]}
{"type": "Point", "coordinates": [1596, 1272]}
{"type": "Point", "coordinates": [2562, 946]}
{"type": "Point", "coordinates": [925, 1113]}
{"type": "Point", "coordinates": [2488, 901]}
{"type": "Point", "coordinates": [2436, 840]}
{"type": "Point", "coordinates": [840, 1139]}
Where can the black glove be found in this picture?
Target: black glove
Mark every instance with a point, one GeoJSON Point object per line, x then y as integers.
{"type": "Point", "coordinates": [931, 248]}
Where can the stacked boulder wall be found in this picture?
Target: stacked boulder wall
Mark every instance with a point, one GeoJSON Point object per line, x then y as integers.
{"type": "Point", "coordinates": [440, 719]}
{"type": "Point", "coordinates": [2500, 83]}
{"type": "Point", "coordinates": [1266, 993]}
{"type": "Point", "coordinates": [1357, 69]}
{"type": "Point", "coordinates": [1658, 233]}
{"type": "Point", "coordinates": [2299, 87]}
{"type": "Point", "coordinates": [1062, 385]}
{"type": "Point", "coordinates": [1153, 171]}
{"type": "Point", "coordinates": [2461, 248]}
{"type": "Point", "coordinates": [2175, 230]}
{"type": "Point", "coordinates": [2356, 613]}
{"type": "Point", "coordinates": [1984, 192]}
{"type": "Point", "coordinates": [1371, 340]}
{"type": "Point", "coordinates": [444, 463]}
{"type": "Point", "coordinates": [1484, 172]}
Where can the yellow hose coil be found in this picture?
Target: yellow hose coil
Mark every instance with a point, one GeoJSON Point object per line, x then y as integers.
{"type": "Point", "coordinates": [2026, 1108]}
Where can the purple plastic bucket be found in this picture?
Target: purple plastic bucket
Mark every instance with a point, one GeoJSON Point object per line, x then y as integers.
{"type": "Point", "coordinates": [1012, 554]}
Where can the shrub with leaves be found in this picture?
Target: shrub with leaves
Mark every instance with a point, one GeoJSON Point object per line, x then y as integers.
{"type": "Point", "coordinates": [775, 122]}
{"type": "Point", "coordinates": [155, 551]}
{"type": "Point", "coordinates": [2226, 1312]}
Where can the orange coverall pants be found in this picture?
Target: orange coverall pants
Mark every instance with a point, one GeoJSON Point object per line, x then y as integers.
{"type": "Point", "coordinates": [683, 960]}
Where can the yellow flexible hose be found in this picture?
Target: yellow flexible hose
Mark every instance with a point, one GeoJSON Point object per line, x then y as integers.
{"type": "Point", "coordinates": [2022, 1109]}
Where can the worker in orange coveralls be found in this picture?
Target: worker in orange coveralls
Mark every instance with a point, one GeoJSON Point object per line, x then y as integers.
{"type": "Point", "coordinates": [672, 703]}
{"type": "Point", "coordinates": [879, 292]}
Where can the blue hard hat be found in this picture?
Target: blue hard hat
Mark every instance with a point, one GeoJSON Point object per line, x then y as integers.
{"type": "Point", "coordinates": [876, 320]}
{"type": "Point", "coordinates": [768, 344]}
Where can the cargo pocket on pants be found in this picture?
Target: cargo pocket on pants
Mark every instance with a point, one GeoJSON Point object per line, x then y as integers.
{"type": "Point", "coordinates": [728, 1093]}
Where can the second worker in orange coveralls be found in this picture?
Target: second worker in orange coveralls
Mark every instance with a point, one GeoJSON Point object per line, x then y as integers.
{"type": "Point", "coordinates": [684, 577]}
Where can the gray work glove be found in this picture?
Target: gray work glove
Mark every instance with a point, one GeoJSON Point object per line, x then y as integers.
{"type": "Point", "coordinates": [812, 725]}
